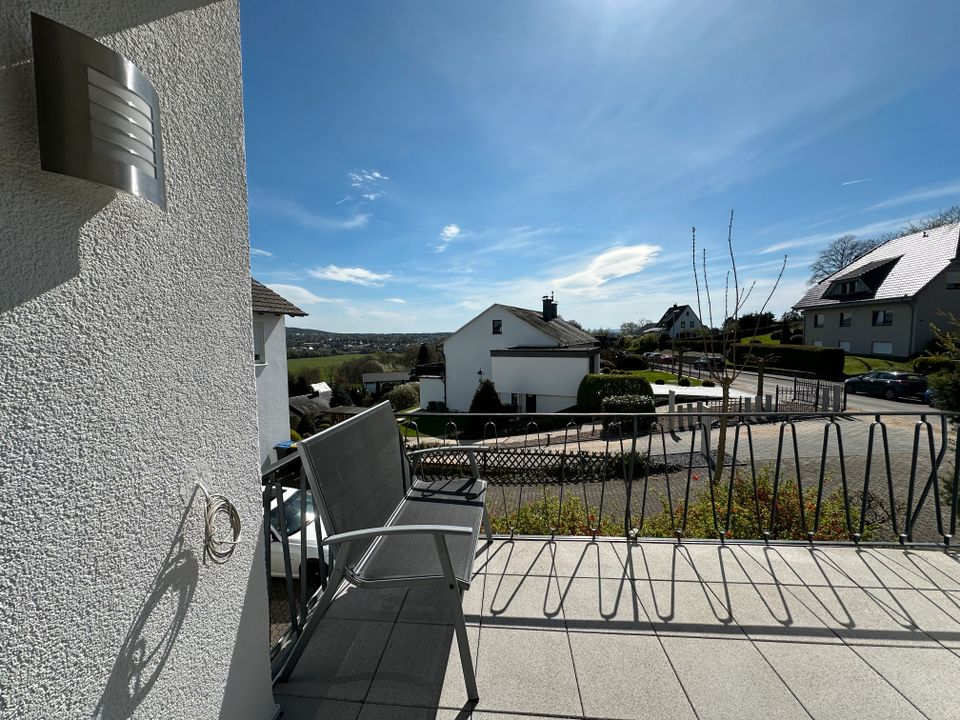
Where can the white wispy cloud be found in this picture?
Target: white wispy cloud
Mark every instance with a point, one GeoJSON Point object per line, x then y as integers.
{"type": "Point", "coordinates": [614, 263]}
{"type": "Point", "coordinates": [300, 295]}
{"type": "Point", "coordinates": [856, 182]}
{"type": "Point", "coordinates": [398, 301]}
{"type": "Point", "coordinates": [366, 186]}
{"type": "Point", "coordinates": [448, 234]}
{"type": "Point", "coordinates": [355, 275]}
{"type": "Point", "coordinates": [260, 253]}
{"type": "Point", "coordinates": [928, 193]}
{"type": "Point", "coordinates": [877, 228]}
{"type": "Point", "coordinates": [308, 218]}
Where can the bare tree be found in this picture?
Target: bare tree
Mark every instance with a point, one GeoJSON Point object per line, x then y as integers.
{"type": "Point", "coordinates": [838, 254]}
{"type": "Point", "coordinates": [734, 300]}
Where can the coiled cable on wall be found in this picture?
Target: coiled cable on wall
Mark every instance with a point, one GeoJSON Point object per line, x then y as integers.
{"type": "Point", "coordinates": [217, 548]}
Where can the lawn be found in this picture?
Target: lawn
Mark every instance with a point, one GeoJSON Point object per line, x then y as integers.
{"type": "Point", "coordinates": [857, 364]}
{"type": "Point", "coordinates": [327, 362]}
{"type": "Point", "coordinates": [764, 339]}
{"type": "Point", "coordinates": [651, 376]}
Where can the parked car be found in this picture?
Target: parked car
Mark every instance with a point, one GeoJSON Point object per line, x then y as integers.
{"type": "Point", "coordinates": [890, 384]}
{"type": "Point", "coordinates": [651, 355]}
{"type": "Point", "coordinates": [291, 506]}
{"type": "Point", "coordinates": [709, 362]}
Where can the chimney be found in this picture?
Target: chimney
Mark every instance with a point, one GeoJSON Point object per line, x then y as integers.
{"type": "Point", "coordinates": [549, 307]}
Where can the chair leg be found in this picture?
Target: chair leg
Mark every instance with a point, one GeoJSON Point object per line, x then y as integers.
{"type": "Point", "coordinates": [486, 526]}
{"type": "Point", "coordinates": [459, 623]}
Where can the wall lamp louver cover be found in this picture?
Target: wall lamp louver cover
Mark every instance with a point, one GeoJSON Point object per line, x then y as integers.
{"type": "Point", "coordinates": [99, 117]}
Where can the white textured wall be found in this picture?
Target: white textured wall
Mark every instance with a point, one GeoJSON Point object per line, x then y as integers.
{"type": "Point", "coordinates": [469, 351]}
{"type": "Point", "coordinates": [431, 390]}
{"type": "Point", "coordinates": [126, 374]}
{"type": "Point", "coordinates": [554, 380]}
{"type": "Point", "coordinates": [273, 404]}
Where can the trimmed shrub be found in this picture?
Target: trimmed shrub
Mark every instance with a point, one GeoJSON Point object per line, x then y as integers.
{"type": "Point", "coordinates": [796, 339]}
{"type": "Point", "coordinates": [659, 382]}
{"type": "Point", "coordinates": [594, 388]}
{"type": "Point", "coordinates": [405, 396]}
{"type": "Point", "coordinates": [929, 364]}
{"type": "Point", "coordinates": [823, 361]}
{"type": "Point", "coordinates": [946, 388]}
{"type": "Point", "coordinates": [708, 383]}
{"type": "Point", "coordinates": [632, 362]}
{"type": "Point", "coordinates": [776, 334]}
{"type": "Point", "coordinates": [628, 404]}
{"type": "Point", "coordinates": [486, 399]}
{"type": "Point", "coordinates": [684, 382]}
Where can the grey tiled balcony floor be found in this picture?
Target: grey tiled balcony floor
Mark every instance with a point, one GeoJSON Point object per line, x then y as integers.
{"type": "Point", "coordinates": [575, 629]}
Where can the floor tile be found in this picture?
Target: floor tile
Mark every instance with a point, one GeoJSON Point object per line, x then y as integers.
{"type": "Point", "coordinates": [687, 608]}
{"type": "Point", "coordinates": [690, 561]}
{"type": "Point", "coordinates": [353, 603]}
{"type": "Point", "coordinates": [920, 674]}
{"type": "Point", "coordinates": [627, 676]}
{"type": "Point", "coordinates": [526, 671]}
{"type": "Point", "coordinates": [601, 605]}
{"type": "Point", "coordinates": [339, 661]}
{"type": "Point", "coordinates": [521, 557]}
{"type": "Point", "coordinates": [588, 559]}
{"type": "Point", "coordinates": [725, 679]}
{"type": "Point", "coordinates": [773, 612]}
{"type": "Point", "coordinates": [870, 616]}
{"type": "Point", "coordinates": [862, 693]}
{"type": "Point", "coordinates": [431, 604]}
{"type": "Point", "coordinates": [308, 708]}
{"type": "Point", "coordinates": [398, 712]}
{"type": "Point", "coordinates": [522, 601]}
{"type": "Point", "coordinates": [421, 667]}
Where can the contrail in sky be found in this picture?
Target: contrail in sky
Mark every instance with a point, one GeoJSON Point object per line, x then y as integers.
{"type": "Point", "coordinates": [854, 182]}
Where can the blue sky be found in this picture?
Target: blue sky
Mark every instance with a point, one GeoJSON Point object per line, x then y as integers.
{"type": "Point", "coordinates": [410, 163]}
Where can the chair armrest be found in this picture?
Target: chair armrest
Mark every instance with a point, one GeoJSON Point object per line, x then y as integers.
{"type": "Point", "coordinates": [450, 448]}
{"type": "Point", "coordinates": [366, 533]}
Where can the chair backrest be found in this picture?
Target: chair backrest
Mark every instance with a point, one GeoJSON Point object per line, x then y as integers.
{"type": "Point", "coordinates": [356, 470]}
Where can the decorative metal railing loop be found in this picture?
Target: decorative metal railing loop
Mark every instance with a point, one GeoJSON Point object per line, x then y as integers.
{"type": "Point", "coordinates": [783, 477]}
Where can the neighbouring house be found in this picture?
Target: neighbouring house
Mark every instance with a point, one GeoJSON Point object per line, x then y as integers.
{"type": "Point", "coordinates": [884, 301]}
{"type": "Point", "coordinates": [270, 363]}
{"type": "Point", "coordinates": [679, 321]}
{"type": "Point", "coordinates": [535, 359]}
{"type": "Point", "coordinates": [377, 383]}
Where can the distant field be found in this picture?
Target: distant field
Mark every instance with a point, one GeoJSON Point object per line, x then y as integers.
{"type": "Point", "coordinates": [328, 362]}
{"type": "Point", "coordinates": [856, 364]}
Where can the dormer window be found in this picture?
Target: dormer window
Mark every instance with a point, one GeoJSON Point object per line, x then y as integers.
{"type": "Point", "coordinates": [498, 327]}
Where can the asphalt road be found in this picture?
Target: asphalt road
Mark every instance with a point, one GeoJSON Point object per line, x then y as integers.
{"type": "Point", "coordinates": [747, 381]}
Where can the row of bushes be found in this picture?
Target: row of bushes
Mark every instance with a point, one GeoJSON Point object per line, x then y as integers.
{"type": "Point", "coordinates": [594, 388]}
{"type": "Point", "coordinates": [823, 361]}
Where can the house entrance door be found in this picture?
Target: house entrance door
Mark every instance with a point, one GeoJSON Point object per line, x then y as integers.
{"type": "Point", "coordinates": [530, 405]}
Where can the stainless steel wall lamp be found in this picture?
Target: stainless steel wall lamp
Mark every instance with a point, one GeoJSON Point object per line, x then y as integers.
{"type": "Point", "coordinates": [98, 116]}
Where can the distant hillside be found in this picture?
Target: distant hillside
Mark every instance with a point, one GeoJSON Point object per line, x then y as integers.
{"type": "Point", "coordinates": [320, 342]}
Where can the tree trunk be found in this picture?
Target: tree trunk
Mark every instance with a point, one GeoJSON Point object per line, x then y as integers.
{"type": "Point", "coordinates": [722, 433]}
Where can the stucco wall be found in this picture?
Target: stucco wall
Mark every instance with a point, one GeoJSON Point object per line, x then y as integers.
{"type": "Point", "coordinates": [554, 380]}
{"type": "Point", "coordinates": [861, 334]}
{"type": "Point", "coordinates": [469, 351]}
{"type": "Point", "coordinates": [125, 357]}
{"type": "Point", "coordinates": [431, 390]}
{"type": "Point", "coordinates": [930, 301]}
{"type": "Point", "coordinates": [273, 406]}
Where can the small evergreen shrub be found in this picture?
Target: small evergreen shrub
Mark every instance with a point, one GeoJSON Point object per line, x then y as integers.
{"type": "Point", "coordinates": [708, 383]}
{"type": "Point", "coordinates": [405, 396]}
{"type": "Point", "coordinates": [593, 388]}
{"type": "Point", "coordinates": [628, 404]}
{"type": "Point", "coordinates": [776, 334]}
{"type": "Point", "coordinates": [929, 364]}
{"type": "Point", "coordinates": [629, 361]}
{"type": "Point", "coordinates": [659, 382]}
{"type": "Point", "coordinates": [684, 382]}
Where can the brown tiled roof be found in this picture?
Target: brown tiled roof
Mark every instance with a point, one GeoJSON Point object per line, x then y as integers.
{"type": "Point", "coordinates": [922, 256]}
{"type": "Point", "coordinates": [266, 300]}
{"type": "Point", "coordinates": [564, 333]}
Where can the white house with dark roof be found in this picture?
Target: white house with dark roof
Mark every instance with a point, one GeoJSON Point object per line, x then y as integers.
{"type": "Point", "coordinates": [884, 301]}
{"type": "Point", "coordinates": [535, 359]}
{"type": "Point", "coordinates": [270, 364]}
{"type": "Point", "coordinates": [679, 321]}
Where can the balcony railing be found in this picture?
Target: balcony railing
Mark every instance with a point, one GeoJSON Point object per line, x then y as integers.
{"type": "Point", "coordinates": [813, 478]}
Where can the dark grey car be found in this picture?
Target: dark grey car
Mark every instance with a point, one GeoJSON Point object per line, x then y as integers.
{"type": "Point", "coordinates": [890, 384]}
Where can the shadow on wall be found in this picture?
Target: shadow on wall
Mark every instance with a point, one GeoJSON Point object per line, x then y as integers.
{"type": "Point", "coordinates": [154, 632]}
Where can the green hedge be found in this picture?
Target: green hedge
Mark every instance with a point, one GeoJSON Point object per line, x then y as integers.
{"type": "Point", "coordinates": [822, 361]}
{"type": "Point", "coordinates": [631, 361]}
{"type": "Point", "coordinates": [594, 388]}
{"type": "Point", "coordinates": [629, 404]}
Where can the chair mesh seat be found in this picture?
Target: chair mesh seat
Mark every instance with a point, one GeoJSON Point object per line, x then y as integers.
{"type": "Point", "coordinates": [454, 501]}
